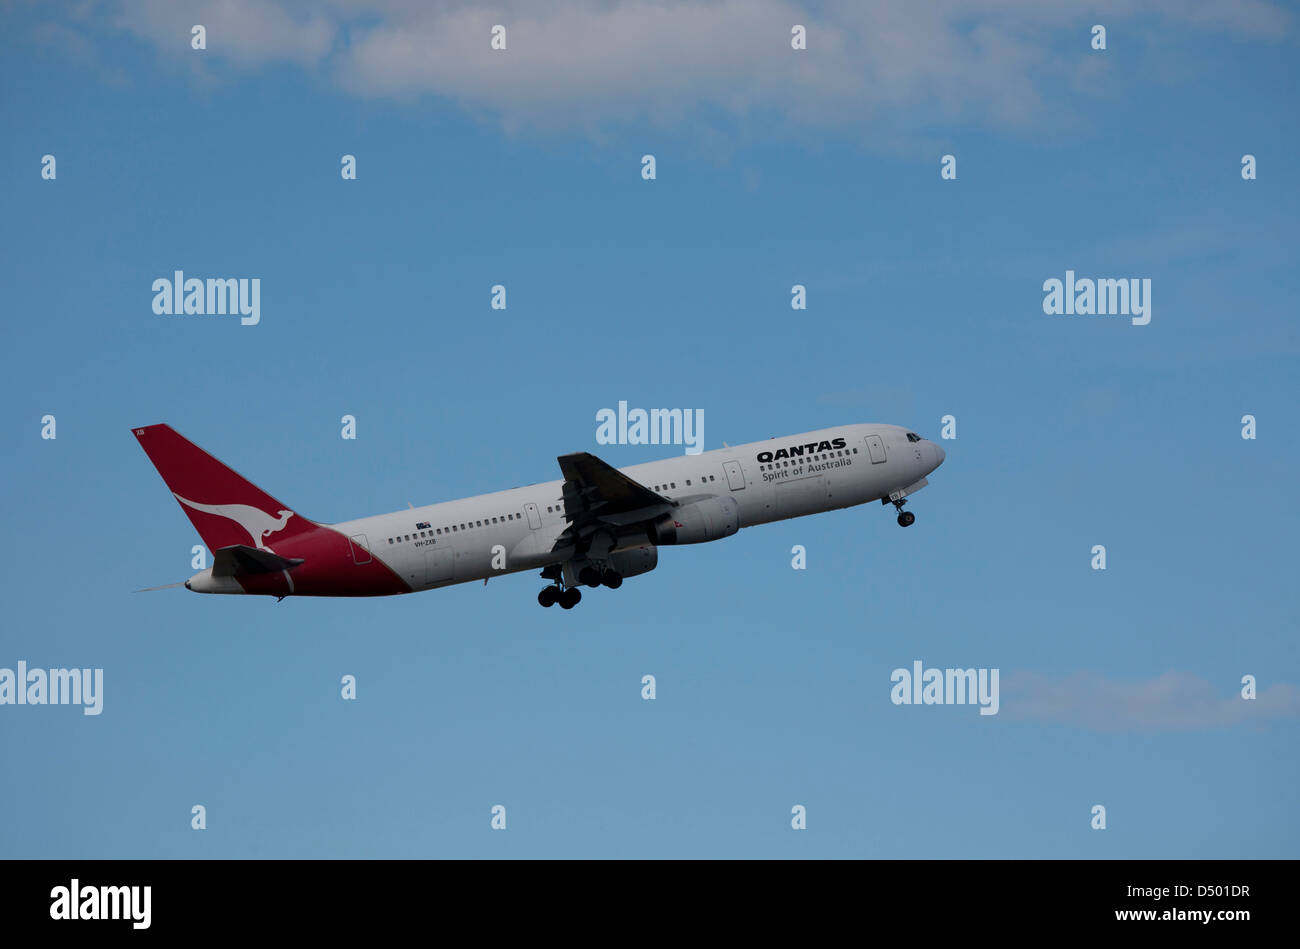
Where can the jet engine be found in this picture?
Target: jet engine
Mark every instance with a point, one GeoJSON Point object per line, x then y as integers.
{"type": "Point", "coordinates": [635, 560]}
{"type": "Point", "coordinates": [697, 522]}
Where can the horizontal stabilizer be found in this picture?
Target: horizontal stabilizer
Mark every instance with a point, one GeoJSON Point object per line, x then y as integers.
{"type": "Point", "coordinates": [240, 560]}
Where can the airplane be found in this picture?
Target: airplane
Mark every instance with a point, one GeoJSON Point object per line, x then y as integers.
{"type": "Point", "coordinates": [596, 526]}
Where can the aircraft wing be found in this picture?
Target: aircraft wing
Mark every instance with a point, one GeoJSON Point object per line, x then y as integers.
{"type": "Point", "coordinates": [597, 495]}
{"type": "Point", "coordinates": [240, 559]}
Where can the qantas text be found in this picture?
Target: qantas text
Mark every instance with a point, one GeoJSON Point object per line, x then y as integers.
{"type": "Point", "coordinates": [794, 451]}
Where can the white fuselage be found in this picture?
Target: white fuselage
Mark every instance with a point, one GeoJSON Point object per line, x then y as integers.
{"type": "Point", "coordinates": [508, 531]}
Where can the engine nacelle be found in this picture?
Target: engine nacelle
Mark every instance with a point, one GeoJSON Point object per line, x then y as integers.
{"type": "Point", "coordinates": [698, 521]}
{"type": "Point", "coordinates": [635, 560]}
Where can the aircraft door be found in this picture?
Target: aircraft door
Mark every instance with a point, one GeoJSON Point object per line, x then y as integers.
{"type": "Point", "coordinates": [534, 518]}
{"type": "Point", "coordinates": [735, 477]}
{"type": "Point", "coordinates": [876, 449]}
{"type": "Point", "coordinates": [360, 549]}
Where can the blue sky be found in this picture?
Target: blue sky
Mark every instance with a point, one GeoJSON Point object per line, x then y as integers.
{"type": "Point", "coordinates": [1120, 687]}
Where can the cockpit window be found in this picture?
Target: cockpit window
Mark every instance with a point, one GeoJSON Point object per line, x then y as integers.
{"type": "Point", "coordinates": [913, 437]}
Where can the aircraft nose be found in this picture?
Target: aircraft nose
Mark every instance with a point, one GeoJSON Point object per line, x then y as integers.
{"type": "Point", "coordinates": [937, 454]}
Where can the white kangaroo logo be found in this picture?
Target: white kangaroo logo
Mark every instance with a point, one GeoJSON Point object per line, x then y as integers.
{"type": "Point", "coordinates": [256, 522]}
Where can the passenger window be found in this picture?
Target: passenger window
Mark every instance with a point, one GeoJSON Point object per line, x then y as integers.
{"type": "Point", "coordinates": [390, 540]}
{"type": "Point", "coordinates": [674, 485]}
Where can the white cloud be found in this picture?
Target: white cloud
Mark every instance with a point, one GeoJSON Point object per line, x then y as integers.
{"type": "Point", "coordinates": [898, 63]}
{"type": "Point", "coordinates": [246, 32]}
{"type": "Point", "coordinates": [1173, 701]}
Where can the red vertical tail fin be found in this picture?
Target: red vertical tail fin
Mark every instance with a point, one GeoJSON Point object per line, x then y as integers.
{"type": "Point", "coordinates": [224, 507]}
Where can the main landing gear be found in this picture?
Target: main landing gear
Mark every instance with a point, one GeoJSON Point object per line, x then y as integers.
{"type": "Point", "coordinates": [567, 597]}
{"type": "Point", "coordinates": [594, 577]}
{"type": "Point", "coordinates": [590, 575]}
{"type": "Point", "coordinates": [905, 518]}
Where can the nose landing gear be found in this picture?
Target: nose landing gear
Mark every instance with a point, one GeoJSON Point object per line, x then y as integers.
{"type": "Point", "coordinates": [905, 518]}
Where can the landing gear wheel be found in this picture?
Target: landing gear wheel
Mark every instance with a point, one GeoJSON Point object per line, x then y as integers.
{"type": "Point", "coordinates": [612, 579]}
{"type": "Point", "coordinates": [905, 518]}
{"type": "Point", "coordinates": [589, 576]}
{"type": "Point", "coordinates": [569, 598]}
{"type": "Point", "coordinates": [548, 596]}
